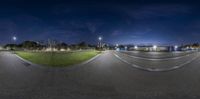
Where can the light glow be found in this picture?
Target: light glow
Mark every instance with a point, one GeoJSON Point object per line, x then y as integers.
{"type": "Point", "coordinates": [175, 46]}
{"type": "Point", "coordinates": [117, 45]}
{"type": "Point", "coordinates": [100, 38]}
{"type": "Point", "coordinates": [154, 47]}
{"type": "Point", "coordinates": [136, 47]}
{"type": "Point", "coordinates": [14, 38]}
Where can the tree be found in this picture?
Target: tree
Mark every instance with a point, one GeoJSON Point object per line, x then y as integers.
{"type": "Point", "coordinates": [11, 46]}
{"type": "Point", "coordinates": [82, 45]}
{"type": "Point", "coordinates": [62, 45]}
{"type": "Point", "coordinates": [30, 45]}
{"type": "Point", "coordinates": [195, 44]}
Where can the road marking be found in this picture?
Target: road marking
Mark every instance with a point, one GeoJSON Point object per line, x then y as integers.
{"type": "Point", "coordinates": [156, 69]}
{"type": "Point", "coordinates": [153, 59]}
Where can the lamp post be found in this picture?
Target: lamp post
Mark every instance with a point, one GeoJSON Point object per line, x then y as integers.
{"type": "Point", "coordinates": [135, 47]}
{"type": "Point", "coordinates": [175, 47]}
{"type": "Point", "coordinates": [116, 47]}
{"type": "Point", "coordinates": [155, 47]}
{"type": "Point", "coordinates": [100, 44]}
{"type": "Point", "coordinates": [14, 38]}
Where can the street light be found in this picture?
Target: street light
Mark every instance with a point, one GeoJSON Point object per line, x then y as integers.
{"type": "Point", "coordinates": [117, 45]}
{"type": "Point", "coordinates": [135, 47]}
{"type": "Point", "coordinates": [175, 47]}
{"type": "Point", "coordinates": [126, 47]}
{"type": "Point", "coordinates": [100, 39]}
{"type": "Point", "coordinates": [155, 47]}
{"type": "Point", "coordinates": [14, 38]}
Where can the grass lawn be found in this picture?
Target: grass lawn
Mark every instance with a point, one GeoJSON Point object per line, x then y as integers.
{"type": "Point", "coordinates": [56, 59]}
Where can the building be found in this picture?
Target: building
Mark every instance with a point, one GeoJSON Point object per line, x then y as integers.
{"type": "Point", "coordinates": [152, 48]}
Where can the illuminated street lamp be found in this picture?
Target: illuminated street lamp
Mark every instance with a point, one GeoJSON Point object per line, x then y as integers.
{"type": "Point", "coordinates": [135, 47]}
{"type": "Point", "coordinates": [14, 38]}
{"type": "Point", "coordinates": [155, 47]}
{"type": "Point", "coordinates": [126, 47]}
{"type": "Point", "coordinates": [175, 47]}
{"type": "Point", "coordinates": [117, 45]}
{"type": "Point", "coordinates": [100, 39]}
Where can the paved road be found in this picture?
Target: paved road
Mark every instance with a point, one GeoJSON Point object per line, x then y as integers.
{"type": "Point", "coordinates": [106, 77]}
{"type": "Point", "coordinates": [161, 63]}
{"type": "Point", "coordinates": [156, 55]}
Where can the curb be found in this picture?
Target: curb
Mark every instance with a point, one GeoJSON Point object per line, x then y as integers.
{"type": "Point", "coordinates": [90, 60]}
{"type": "Point", "coordinates": [26, 61]}
{"type": "Point", "coordinates": [83, 63]}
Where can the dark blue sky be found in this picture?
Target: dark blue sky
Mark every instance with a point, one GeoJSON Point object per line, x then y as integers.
{"type": "Point", "coordinates": [124, 22]}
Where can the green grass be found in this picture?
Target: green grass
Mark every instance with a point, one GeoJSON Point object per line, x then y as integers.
{"type": "Point", "coordinates": [55, 59]}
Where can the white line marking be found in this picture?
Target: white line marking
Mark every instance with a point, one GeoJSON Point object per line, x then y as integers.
{"type": "Point", "coordinates": [156, 69]}
{"type": "Point", "coordinates": [154, 58]}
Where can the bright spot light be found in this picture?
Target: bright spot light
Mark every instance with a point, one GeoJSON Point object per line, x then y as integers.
{"type": "Point", "coordinates": [136, 47]}
{"type": "Point", "coordinates": [100, 38]}
{"type": "Point", "coordinates": [14, 38]}
{"type": "Point", "coordinates": [126, 47]}
{"type": "Point", "coordinates": [117, 45]}
{"type": "Point", "coordinates": [154, 47]}
{"type": "Point", "coordinates": [175, 46]}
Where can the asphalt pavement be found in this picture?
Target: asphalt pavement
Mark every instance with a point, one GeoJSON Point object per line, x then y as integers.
{"type": "Point", "coordinates": [106, 77]}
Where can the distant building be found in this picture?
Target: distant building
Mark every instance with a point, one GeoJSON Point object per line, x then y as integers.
{"type": "Point", "coordinates": [49, 49]}
{"type": "Point", "coordinates": [152, 48]}
{"type": "Point", "coordinates": [186, 48]}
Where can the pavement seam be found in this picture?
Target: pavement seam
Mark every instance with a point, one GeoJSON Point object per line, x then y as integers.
{"type": "Point", "coordinates": [156, 70]}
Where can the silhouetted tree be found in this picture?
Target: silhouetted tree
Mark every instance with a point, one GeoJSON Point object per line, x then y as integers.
{"type": "Point", "coordinates": [30, 45]}
{"type": "Point", "coordinates": [195, 44]}
{"type": "Point", "coordinates": [82, 45]}
{"type": "Point", "coordinates": [62, 45]}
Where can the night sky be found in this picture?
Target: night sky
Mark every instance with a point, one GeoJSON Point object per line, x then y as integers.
{"type": "Point", "coordinates": [123, 22]}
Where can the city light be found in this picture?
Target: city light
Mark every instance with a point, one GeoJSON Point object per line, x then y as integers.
{"type": "Point", "coordinates": [175, 46]}
{"type": "Point", "coordinates": [14, 38]}
{"type": "Point", "coordinates": [117, 45]}
{"type": "Point", "coordinates": [136, 47]}
{"type": "Point", "coordinates": [126, 47]}
{"type": "Point", "coordinates": [100, 38]}
{"type": "Point", "coordinates": [155, 47]}
{"type": "Point", "coordinates": [100, 43]}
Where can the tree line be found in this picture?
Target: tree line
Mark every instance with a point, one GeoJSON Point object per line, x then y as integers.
{"type": "Point", "coordinates": [33, 45]}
